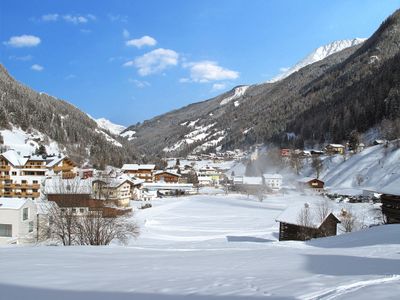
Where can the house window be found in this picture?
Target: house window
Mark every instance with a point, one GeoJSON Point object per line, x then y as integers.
{"type": "Point", "coordinates": [31, 226]}
{"type": "Point", "coordinates": [81, 210]}
{"type": "Point", "coordinates": [5, 230]}
{"type": "Point", "coordinates": [25, 213]}
{"type": "Point", "coordinates": [14, 173]}
{"type": "Point", "coordinates": [35, 182]}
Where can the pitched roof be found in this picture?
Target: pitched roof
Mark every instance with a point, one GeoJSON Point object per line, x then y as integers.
{"type": "Point", "coordinates": [12, 203]}
{"type": "Point", "coordinates": [392, 188]}
{"type": "Point", "coordinates": [135, 167]}
{"type": "Point", "coordinates": [335, 145]}
{"type": "Point", "coordinates": [115, 182]}
{"type": "Point", "coordinates": [57, 185]}
{"type": "Point", "coordinates": [55, 161]}
{"type": "Point", "coordinates": [307, 179]}
{"type": "Point", "coordinates": [272, 176]}
{"type": "Point", "coordinates": [14, 158]}
{"type": "Point", "coordinates": [169, 172]}
{"type": "Point", "coordinates": [291, 215]}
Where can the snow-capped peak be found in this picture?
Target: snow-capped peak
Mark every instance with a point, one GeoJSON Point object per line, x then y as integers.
{"type": "Point", "coordinates": [317, 55]}
{"type": "Point", "coordinates": [108, 125]}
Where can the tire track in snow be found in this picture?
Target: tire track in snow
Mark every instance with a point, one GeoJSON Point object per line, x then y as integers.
{"type": "Point", "coordinates": [347, 288]}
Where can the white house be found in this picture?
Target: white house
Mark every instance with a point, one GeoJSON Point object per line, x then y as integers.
{"type": "Point", "coordinates": [273, 181]}
{"type": "Point", "coordinates": [17, 221]}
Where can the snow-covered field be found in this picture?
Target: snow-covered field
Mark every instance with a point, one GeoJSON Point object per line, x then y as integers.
{"type": "Point", "coordinates": [211, 247]}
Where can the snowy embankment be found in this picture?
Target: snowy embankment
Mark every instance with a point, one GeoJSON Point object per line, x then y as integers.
{"type": "Point", "coordinates": [373, 169]}
{"type": "Point", "coordinates": [210, 247]}
{"type": "Point", "coordinates": [27, 142]}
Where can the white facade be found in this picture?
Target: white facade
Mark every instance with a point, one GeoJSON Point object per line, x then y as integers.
{"type": "Point", "coordinates": [17, 221]}
{"type": "Point", "coordinates": [274, 181]}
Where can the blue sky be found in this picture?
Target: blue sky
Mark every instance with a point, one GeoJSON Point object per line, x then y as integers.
{"type": "Point", "coordinates": [131, 60]}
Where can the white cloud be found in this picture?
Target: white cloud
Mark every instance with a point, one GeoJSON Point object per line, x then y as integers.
{"type": "Point", "coordinates": [205, 71]}
{"type": "Point", "coordinates": [37, 67]}
{"type": "Point", "coordinates": [184, 80]}
{"type": "Point", "coordinates": [117, 18]}
{"type": "Point", "coordinates": [140, 83]}
{"type": "Point", "coordinates": [23, 41]}
{"type": "Point", "coordinates": [125, 34]}
{"type": "Point", "coordinates": [218, 86]}
{"type": "Point", "coordinates": [79, 19]}
{"type": "Point", "coordinates": [284, 69]}
{"type": "Point", "coordinates": [143, 41]}
{"type": "Point", "coordinates": [50, 17]}
{"type": "Point", "coordinates": [154, 61]}
{"type": "Point", "coordinates": [21, 58]}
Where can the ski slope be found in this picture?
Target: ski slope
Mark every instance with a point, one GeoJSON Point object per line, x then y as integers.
{"type": "Point", "coordinates": [210, 247]}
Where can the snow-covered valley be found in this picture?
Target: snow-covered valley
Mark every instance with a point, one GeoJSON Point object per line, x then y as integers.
{"type": "Point", "coordinates": [211, 247]}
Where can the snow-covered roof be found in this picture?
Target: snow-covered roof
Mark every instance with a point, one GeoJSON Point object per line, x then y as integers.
{"type": "Point", "coordinates": [135, 167]}
{"type": "Point", "coordinates": [272, 176]}
{"type": "Point", "coordinates": [169, 172]}
{"type": "Point", "coordinates": [392, 188]}
{"type": "Point", "coordinates": [12, 203]}
{"type": "Point", "coordinates": [335, 145]}
{"type": "Point", "coordinates": [57, 185]}
{"type": "Point", "coordinates": [115, 182]}
{"type": "Point", "coordinates": [14, 158]}
{"type": "Point", "coordinates": [306, 179]}
{"type": "Point", "coordinates": [55, 161]}
{"type": "Point", "coordinates": [291, 215]}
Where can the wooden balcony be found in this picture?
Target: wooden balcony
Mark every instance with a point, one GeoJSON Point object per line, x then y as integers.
{"type": "Point", "coordinates": [5, 168]}
{"type": "Point", "coordinates": [5, 177]}
{"type": "Point", "coordinates": [62, 168]}
{"type": "Point", "coordinates": [68, 175]}
{"type": "Point", "coordinates": [27, 186]}
{"type": "Point", "coordinates": [34, 167]}
{"type": "Point", "coordinates": [19, 194]}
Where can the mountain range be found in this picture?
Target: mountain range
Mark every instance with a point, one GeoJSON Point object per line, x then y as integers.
{"type": "Point", "coordinates": [352, 85]}
{"type": "Point", "coordinates": [41, 119]}
{"type": "Point", "coordinates": [341, 87]}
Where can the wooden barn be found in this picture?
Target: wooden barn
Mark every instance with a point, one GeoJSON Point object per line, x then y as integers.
{"type": "Point", "coordinates": [301, 223]}
{"type": "Point", "coordinates": [390, 199]}
{"type": "Point", "coordinates": [310, 183]}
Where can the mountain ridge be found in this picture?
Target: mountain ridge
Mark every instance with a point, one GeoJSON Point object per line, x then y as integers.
{"type": "Point", "coordinates": [266, 112]}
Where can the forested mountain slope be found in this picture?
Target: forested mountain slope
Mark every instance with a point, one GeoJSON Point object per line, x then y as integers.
{"type": "Point", "coordinates": [353, 89]}
{"type": "Point", "coordinates": [73, 130]}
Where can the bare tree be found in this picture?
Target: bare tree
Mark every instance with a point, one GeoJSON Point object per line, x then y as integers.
{"type": "Point", "coordinates": [67, 226]}
{"type": "Point", "coordinates": [317, 165]}
{"type": "Point", "coordinates": [323, 209]}
{"type": "Point", "coordinates": [348, 220]}
{"type": "Point", "coordinates": [84, 225]}
{"type": "Point", "coordinates": [304, 219]}
{"type": "Point", "coordinates": [59, 225]}
{"type": "Point", "coordinates": [296, 162]}
{"type": "Point", "coordinates": [95, 229]}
